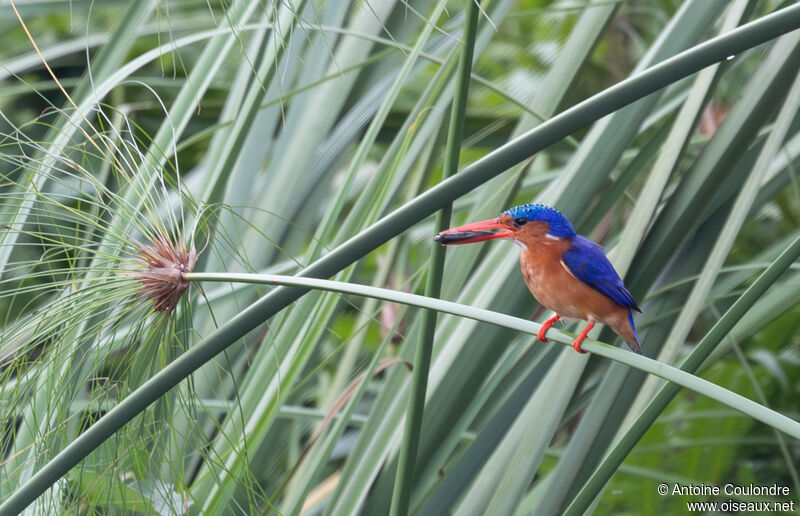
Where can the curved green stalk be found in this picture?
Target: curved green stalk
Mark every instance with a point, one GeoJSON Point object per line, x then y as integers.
{"type": "Point", "coordinates": [404, 479]}
{"type": "Point", "coordinates": [678, 377]}
{"type": "Point", "coordinates": [555, 129]}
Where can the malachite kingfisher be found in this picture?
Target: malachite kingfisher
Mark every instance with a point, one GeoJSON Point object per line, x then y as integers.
{"type": "Point", "coordinates": [566, 272]}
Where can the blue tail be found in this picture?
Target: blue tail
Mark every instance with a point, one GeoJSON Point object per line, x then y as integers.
{"type": "Point", "coordinates": [633, 343]}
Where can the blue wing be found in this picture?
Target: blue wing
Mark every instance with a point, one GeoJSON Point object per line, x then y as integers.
{"type": "Point", "coordinates": [587, 262]}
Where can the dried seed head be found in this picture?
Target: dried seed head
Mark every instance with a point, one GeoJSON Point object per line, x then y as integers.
{"type": "Point", "coordinates": [162, 276]}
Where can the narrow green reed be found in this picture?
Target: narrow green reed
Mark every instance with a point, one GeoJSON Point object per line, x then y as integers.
{"type": "Point", "coordinates": [742, 206]}
{"type": "Point", "coordinates": [692, 363]}
{"type": "Point", "coordinates": [108, 59]}
{"type": "Point", "coordinates": [404, 479]}
{"type": "Point", "coordinates": [488, 167]}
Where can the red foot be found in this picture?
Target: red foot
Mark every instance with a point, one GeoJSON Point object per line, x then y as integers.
{"type": "Point", "coordinates": [546, 326]}
{"type": "Point", "coordinates": [576, 345]}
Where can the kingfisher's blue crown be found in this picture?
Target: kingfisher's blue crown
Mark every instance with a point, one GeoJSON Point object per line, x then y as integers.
{"type": "Point", "coordinates": [559, 225]}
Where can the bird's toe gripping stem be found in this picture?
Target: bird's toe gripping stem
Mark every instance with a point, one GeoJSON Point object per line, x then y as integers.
{"type": "Point", "coordinates": [546, 326]}
{"type": "Point", "coordinates": [576, 344]}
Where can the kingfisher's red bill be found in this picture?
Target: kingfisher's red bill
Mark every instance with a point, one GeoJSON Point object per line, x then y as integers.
{"type": "Point", "coordinates": [476, 232]}
{"type": "Point", "coordinates": [565, 272]}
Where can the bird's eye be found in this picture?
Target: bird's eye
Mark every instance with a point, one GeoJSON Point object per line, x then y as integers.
{"type": "Point", "coordinates": [520, 221]}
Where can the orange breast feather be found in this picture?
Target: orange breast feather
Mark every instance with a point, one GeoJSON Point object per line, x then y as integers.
{"type": "Point", "coordinates": [554, 287]}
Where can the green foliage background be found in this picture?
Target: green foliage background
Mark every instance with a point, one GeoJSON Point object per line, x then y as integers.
{"type": "Point", "coordinates": [267, 134]}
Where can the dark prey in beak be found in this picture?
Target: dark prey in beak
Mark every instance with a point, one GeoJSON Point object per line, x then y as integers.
{"type": "Point", "coordinates": [459, 236]}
